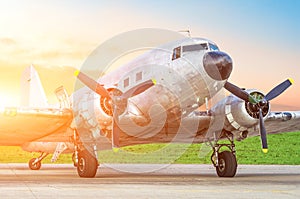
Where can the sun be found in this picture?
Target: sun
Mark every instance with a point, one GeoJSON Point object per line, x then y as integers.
{"type": "Point", "coordinates": [8, 100]}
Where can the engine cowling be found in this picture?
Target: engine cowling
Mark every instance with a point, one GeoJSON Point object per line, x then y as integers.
{"type": "Point", "coordinates": [104, 109]}
{"type": "Point", "coordinates": [93, 112]}
{"type": "Point", "coordinates": [241, 115]}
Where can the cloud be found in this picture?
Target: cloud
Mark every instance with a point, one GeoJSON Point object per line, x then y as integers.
{"type": "Point", "coordinates": [48, 53]}
{"type": "Point", "coordinates": [7, 41]}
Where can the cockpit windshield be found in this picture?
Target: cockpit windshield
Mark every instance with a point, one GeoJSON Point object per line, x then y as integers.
{"type": "Point", "coordinates": [213, 47]}
{"type": "Point", "coordinates": [194, 47]}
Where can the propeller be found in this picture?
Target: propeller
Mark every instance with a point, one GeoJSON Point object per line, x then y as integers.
{"type": "Point", "coordinates": [260, 103]}
{"type": "Point", "coordinates": [100, 90]}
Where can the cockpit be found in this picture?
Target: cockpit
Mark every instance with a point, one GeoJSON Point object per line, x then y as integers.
{"type": "Point", "coordinates": [178, 51]}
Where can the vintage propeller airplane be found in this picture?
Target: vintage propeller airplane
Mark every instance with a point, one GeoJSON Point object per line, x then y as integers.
{"type": "Point", "coordinates": [152, 99]}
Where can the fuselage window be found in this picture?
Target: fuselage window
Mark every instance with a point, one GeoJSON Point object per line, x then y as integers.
{"type": "Point", "coordinates": [126, 82]}
{"type": "Point", "coordinates": [213, 47]}
{"type": "Point", "coordinates": [194, 47]}
{"type": "Point", "coordinates": [138, 76]}
{"type": "Point", "coordinates": [176, 53]}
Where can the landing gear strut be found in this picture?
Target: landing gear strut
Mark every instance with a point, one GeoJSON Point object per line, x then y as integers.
{"type": "Point", "coordinates": [225, 161]}
{"type": "Point", "coordinates": [36, 163]}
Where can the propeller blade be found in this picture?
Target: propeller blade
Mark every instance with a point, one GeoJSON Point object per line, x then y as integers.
{"type": "Point", "coordinates": [279, 89]}
{"type": "Point", "coordinates": [263, 133]}
{"type": "Point", "coordinates": [239, 93]}
{"type": "Point", "coordinates": [115, 135]}
{"type": "Point", "coordinates": [92, 84]}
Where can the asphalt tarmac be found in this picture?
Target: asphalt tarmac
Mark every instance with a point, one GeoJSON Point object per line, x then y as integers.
{"type": "Point", "coordinates": [149, 181]}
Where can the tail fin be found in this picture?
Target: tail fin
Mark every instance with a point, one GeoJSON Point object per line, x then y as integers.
{"type": "Point", "coordinates": [32, 92]}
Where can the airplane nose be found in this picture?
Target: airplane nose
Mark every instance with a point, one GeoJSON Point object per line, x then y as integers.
{"type": "Point", "coordinates": [218, 65]}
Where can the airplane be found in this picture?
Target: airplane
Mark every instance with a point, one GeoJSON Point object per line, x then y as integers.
{"type": "Point", "coordinates": [37, 126]}
{"type": "Point", "coordinates": [155, 98]}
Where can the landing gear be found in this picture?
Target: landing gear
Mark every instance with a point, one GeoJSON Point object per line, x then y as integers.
{"type": "Point", "coordinates": [87, 164]}
{"type": "Point", "coordinates": [227, 164]}
{"type": "Point", "coordinates": [225, 161]}
{"type": "Point", "coordinates": [36, 163]}
{"type": "Point", "coordinates": [33, 165]}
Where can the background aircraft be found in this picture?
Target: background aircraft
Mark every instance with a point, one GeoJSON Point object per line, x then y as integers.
{"type": "Point", "coordinates": [37, 126]}
{"type": "Point", "coordinates": [152, 99]}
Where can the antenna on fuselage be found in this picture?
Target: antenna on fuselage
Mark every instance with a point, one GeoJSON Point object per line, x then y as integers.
{"type": "Point", "coordinates": [188, 32]}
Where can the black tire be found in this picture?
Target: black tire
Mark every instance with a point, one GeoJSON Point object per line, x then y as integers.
{"type": "Point", "coordinates": [87, 165]}
{"type": "Point", "coordinates": [35, 166]}
{"type": "Point", "coordinates": [227, 164]}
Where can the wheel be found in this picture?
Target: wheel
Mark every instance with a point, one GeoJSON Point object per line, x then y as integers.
{"type": "Point", "coordinates": [34, 166]}
{"type": "Point", "coordinates": [227, 164]}
{"type": "Point", "coordinates": [87, 165]}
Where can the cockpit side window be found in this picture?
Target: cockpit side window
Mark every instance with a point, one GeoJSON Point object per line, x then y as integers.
{"type": "Point", "coordinates": [176, 53]}
{"type": "Point", "coordinates": [213, 47]}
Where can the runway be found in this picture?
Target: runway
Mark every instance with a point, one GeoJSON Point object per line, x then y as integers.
{"type": "Point", "coordinates": [149, 181]}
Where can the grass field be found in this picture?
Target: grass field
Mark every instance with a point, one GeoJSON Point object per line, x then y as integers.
{"type": "Point", "coordinates": [283, 149]}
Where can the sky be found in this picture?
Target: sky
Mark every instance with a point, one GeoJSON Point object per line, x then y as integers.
{"type": "Point", "coordinates": [262, 37]}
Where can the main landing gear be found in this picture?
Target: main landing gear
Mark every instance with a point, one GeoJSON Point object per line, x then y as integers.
{"type": "Point", "coordinates": [224, 161]}
{"type": "Point", "coordinates": [86, 163]}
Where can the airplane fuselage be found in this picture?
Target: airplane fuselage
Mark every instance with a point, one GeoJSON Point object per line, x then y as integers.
{"type": "Point", "coordinates": [167, 83]}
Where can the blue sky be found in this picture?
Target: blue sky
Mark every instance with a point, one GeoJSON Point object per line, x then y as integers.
{"type": "Point", "coordinates": [262, 36]}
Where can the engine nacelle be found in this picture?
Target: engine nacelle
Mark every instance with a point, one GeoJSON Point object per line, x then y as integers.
{"type": "Point", "coordinates": [93, 112]}
{"type": "Point", "coordinates": [240, 115]}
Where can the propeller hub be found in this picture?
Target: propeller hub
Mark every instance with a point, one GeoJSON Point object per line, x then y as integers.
{"type": "Point", "coordinates": [253, 108]}
{"type": "Point", "coordinates": [262, 103]}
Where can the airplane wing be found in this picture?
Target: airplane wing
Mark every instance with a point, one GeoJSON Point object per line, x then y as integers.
{"type": "Point", "coordinates": [276, 122]}
{"type": "Point", "coordinates": [283, 121]}
{"type": "Point", "coordinates": [20, 125]}
{"type": "Point", "coordinates": [207, 124]}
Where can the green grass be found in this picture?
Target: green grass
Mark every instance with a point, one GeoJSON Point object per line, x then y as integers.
{"type": "Point", "coordinates": [283, 149]}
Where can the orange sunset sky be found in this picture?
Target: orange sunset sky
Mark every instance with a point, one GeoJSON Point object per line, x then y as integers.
{"type": "Point", "coordinates": [55, 36]}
